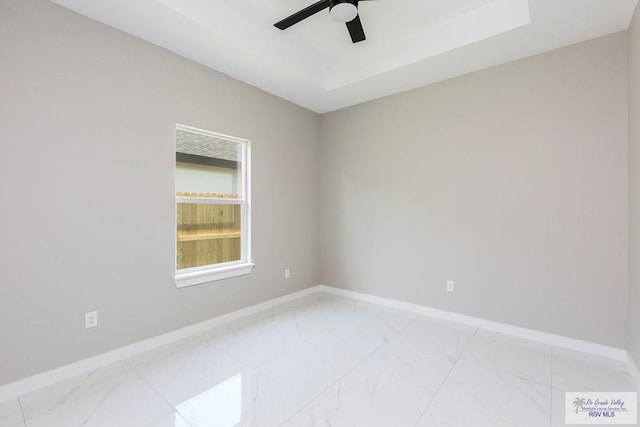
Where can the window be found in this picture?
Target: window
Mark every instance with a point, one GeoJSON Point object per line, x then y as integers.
{"type": "Point", "coordinates": [213, 239]}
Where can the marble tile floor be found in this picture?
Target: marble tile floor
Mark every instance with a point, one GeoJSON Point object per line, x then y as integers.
{"type": "Point", "coordinates": [327, 361]}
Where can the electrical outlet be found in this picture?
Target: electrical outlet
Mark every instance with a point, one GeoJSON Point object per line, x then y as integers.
{"type": "Point", "coordinates": [450, 286]}
{"type": "Point", "coordinates": [287, 273]}
{"type": "Point", "coordinates": [91, 319]}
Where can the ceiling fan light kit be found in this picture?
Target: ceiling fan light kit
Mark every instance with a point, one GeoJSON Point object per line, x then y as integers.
{"type": "Point", "coordinates": [344, 11]}
{"type": "Point", "coordinates": [340, 10]}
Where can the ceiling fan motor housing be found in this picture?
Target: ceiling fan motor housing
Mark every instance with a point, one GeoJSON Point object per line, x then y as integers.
{"type": "Point", "coordinates": [343, 10]}
{"type": "Point", "coordinates": [335, 2]}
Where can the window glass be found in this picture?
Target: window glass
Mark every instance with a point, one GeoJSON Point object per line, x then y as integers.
{"type": "Point", "coordinates": [212, 206]}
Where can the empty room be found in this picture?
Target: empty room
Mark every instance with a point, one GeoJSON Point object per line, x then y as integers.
{"type": "Point", "coordinates": [336, 213]}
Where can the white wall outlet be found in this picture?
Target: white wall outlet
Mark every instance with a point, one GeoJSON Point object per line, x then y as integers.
{"type": "Point", "coordinates": [287, 273]}
{"type": "Point", "coordinates": [91, 319]}
{"type": "Point", "coordinates": [450, 286]}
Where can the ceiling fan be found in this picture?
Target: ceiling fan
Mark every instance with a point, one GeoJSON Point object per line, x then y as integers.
{"type": "Point", "coordinates": [340, 10]}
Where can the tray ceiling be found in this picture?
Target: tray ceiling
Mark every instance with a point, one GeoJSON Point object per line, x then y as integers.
{"type": "Point", "coordinates": [410, 43]}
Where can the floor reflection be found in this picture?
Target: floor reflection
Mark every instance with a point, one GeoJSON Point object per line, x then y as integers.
{"type": "Point", "coordinates": [222, 404]}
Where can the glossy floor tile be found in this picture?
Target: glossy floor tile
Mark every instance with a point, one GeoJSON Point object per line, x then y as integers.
{"type": "Point", "coordinates": [507, 397]}
{"type": "Point", "coordinates": [173, 419]}
{"type": "Point", "coordinates": [130, 403]}
{"type": "Point", "coordinates": [186, 369]}
{"type": "Point", "coordinates": [64, 392]}
{"type": "Point", "coordinates": [331, 362]}
{"type": "Point", "coordinates": [248, 399]}
{"type": "Point", "coordinates": [447, 413]}
{"type": "Point", "coordinates": [365, 398]}
{"type": "Point", "coordinates": [423, 353]}
{"type": "Point", "coordinates": [10, 413]}
{"type": "Point", "coordinates": [308, 369]}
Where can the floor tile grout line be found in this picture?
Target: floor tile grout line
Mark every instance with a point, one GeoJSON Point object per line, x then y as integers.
{"type": "Point", "coordinates": [221, 349]}
{"type": "Point", "coordinates": [155, 391]}
{"type": "Point", "coordinates": [66, 402]}
{"type": "Point", "coordinates": [447, 376]}
{"type": "Point", "coordinates": [329, 386]}
{"type": "Point", "coordinates": [247, 368]}
{"type": "Point", "coordinates": [255, 367]}
{"type": "Point", "coordinates": [458, 359]}
{"type": "Point", "coordinates": [24, 419]}
{"type": "Point", "coordinates": [344, 375]}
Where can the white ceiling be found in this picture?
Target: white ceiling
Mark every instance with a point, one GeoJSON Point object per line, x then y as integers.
{"type": "Point", "coordinates": [410, 43]}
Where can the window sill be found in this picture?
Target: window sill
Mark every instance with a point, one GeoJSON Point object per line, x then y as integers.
{"type": "Point", "coordinates": [205, 276]}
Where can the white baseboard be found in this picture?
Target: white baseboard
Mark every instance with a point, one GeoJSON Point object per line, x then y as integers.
{"type": "Point", "coordinates": [43, 379]}
{"type": "Point", "coordinates": [516, 331]}
{"type": "Point", "coordinates": [37, 381]}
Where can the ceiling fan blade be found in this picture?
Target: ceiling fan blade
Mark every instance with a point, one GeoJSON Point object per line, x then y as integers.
{"type": "Point", "coordinates": [355, 30]}
{"type": "Point", "coordinates": [302, 14]}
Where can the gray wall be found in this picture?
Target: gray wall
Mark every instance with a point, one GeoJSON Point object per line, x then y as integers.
{"type": "Point", "coordinates": [511, 181]}
{"type": "Point", "coordinates": [634, 186]}
{"type": "Point", "coordinates": [87, 162]}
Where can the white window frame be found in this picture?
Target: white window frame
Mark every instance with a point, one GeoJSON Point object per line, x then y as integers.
{"type": "Point", "coordinates": [209, 273]}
